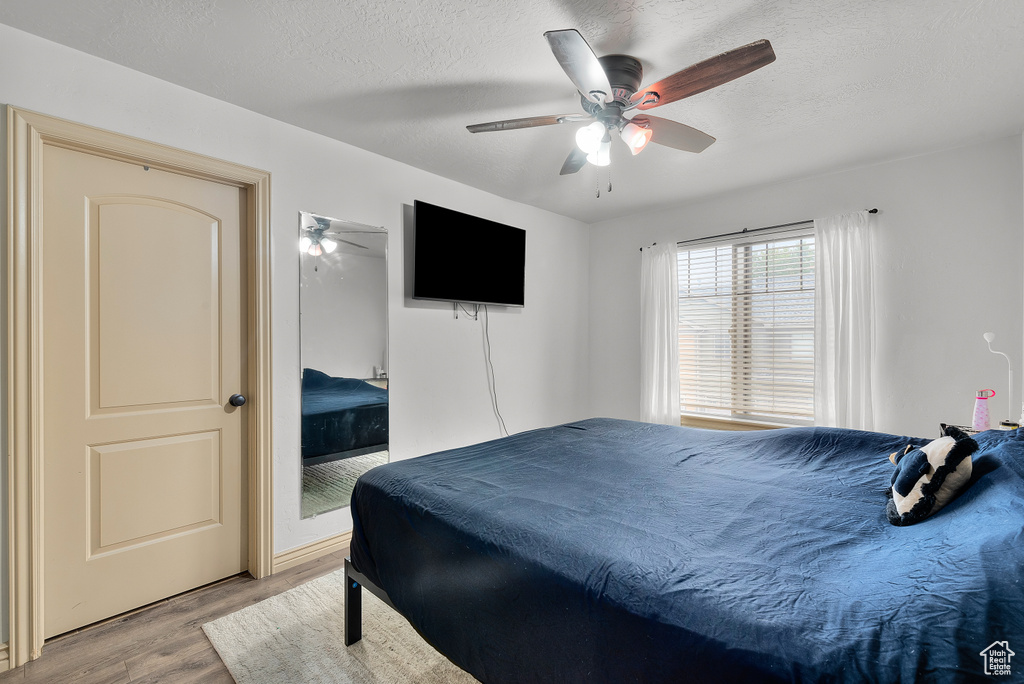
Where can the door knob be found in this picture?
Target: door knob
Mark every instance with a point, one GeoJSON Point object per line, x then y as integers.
{"type": "Point", "coordinates": [236, 400]}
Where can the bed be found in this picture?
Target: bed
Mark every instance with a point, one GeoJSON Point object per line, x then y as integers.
{"type": "Point", "coordinates": [615, 551]}
{"type": "Point", "coordinates": [341, 417]}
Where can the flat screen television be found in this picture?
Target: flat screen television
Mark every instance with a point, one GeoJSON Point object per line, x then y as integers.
{"type": "Point", "coordinates": [463, 258]}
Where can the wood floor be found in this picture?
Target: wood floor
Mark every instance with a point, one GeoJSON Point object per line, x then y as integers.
{"type": "Point", "coordinates": [163, 642]}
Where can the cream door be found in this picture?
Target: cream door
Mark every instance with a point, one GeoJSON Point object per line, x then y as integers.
{"type": "Point", "coordinates": [143, 339]}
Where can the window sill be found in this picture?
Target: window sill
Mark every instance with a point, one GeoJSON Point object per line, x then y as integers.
{"type": "Point", "coordinates": [710, 423]}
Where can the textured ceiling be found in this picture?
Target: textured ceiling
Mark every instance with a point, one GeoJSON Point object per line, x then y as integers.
{"type": "Point", "coordinates": [855, 81]}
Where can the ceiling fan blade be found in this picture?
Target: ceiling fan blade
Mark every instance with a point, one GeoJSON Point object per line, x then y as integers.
{"type": "Point", "coordinates": [708, 74]}
{"type": "Point", "coordinates": [574, 162]}
{"type": "Point", "coordinates": [334, 236]}
{"type": "Point", "coordinates": [308, 222]}
{"type": "Point", "coordinates": [528, 122]}
{"type": "Point", "coordinates": [351, 226]}
{"type": "Point", "coordinates": [580, 64]}
{"type": "Point", "coordinates": [674, 134]}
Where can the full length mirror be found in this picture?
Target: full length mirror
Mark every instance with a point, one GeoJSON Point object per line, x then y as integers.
{"type": "Point", "coordinates": [344, 357]}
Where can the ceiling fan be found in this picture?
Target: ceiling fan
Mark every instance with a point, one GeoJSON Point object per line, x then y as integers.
{"type": "Point", "coordinates": [612, 98]}
{"type": "Point", "coordinates": [316, 239]}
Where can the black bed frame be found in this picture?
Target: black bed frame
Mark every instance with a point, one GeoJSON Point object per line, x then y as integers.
{"type": "Point", "coordinates": [339, 455]}
{"type": "Point", "coordinates": [354, 582]}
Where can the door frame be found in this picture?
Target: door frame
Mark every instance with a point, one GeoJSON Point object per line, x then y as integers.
{"type": "Point", "coordinates": [27, 132]}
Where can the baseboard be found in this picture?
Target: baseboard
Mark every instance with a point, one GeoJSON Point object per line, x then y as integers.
{"type": "Point", "coordinates": [5, 658]}
{"type": "Point", "coordinates": [307, 552]}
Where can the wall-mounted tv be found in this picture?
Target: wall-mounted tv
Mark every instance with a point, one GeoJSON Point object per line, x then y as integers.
{"type": "Point", "coordinates": [463, 258]}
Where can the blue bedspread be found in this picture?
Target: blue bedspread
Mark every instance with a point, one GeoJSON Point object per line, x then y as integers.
{"type": "Point", "coordinates": [341, 415]}
{"type": "Point", "coordinates": [613, 551]}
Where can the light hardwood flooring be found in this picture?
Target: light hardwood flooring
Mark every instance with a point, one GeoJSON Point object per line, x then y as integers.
{"type": "Point", "coordinates": [163, 642]}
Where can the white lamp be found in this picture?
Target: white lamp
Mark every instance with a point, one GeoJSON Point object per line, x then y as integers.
{"type": "Point", "coordinates": [989, 336]}
{"type": "Point", "coordinates": [596, 141]}
{"type": "Point", "coordinates": [602, 156]}
{"type": "Point", "coordinates": [636, 137]}
{"type": "Point", "coordinates": [588, 138]}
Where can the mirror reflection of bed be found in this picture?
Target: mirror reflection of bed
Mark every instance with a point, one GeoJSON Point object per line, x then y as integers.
{"type": "Point", "coordinates": [343, 333]}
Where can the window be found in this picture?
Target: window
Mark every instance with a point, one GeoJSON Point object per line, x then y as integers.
{"type": "Point", "coordinates": [746, 329]}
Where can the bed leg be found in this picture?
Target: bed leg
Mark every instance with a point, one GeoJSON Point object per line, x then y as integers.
{"type": "Point", "coordinates": [353, 607]}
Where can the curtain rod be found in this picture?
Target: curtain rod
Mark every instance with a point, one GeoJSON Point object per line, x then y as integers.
{"type": "Point", "coordinates": [747, 231]}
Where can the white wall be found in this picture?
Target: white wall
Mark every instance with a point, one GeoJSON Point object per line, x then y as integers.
{"type": "Point", "coordinates": [344, 312]}
{"type": "Point", "coordinates": [439, 395]}
{"type": "Point", "coordinates": [951, 235]}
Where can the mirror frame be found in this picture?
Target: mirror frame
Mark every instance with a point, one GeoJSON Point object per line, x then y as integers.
{"type": "Point", "coordinates": [354, 228]}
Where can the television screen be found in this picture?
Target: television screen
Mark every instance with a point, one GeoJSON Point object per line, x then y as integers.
{"type": "Point", "coordinates": [465, 258]}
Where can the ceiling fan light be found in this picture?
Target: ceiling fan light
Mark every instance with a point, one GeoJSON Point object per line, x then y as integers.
{"type": "Point", "coordinates": [588, 138]}
{"type": "Point", "coordinates": [305, 243]}
{"type": "Point", "coordinates": [602, 156]}
{"type": "Point", "coordinates": [329, 245]}
{"type": "Point", "coordinates": [315, 249]}
{"type": "Point", "coordinates": [636, 137]}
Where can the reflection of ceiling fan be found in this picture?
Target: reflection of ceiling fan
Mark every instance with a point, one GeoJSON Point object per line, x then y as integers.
{"type": "Point", "coordinates": [316, 238]}
{"type": "Point", "coordinates": [611, 95]}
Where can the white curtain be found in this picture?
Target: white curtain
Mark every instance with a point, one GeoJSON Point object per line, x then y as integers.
{"type": "Point", "coordinates": [844, 314]}
{"type": "Point", "coordinates": [659, 335]}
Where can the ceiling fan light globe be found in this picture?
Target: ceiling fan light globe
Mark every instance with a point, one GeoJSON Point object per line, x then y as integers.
{"type": "Point", "coordinates": [305, 243]}
{"type": "Point", "coordinates": [602, 156]}
{"type": "Point", "coordinates": [315, 249]}
{"type": "Point", "coordinates": [588, 138]}
{"type": "Point", "coordinates": [636, 137]}
{"type": "Point", "coordinates": [329, 245]}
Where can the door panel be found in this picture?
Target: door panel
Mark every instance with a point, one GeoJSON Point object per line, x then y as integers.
{"type": "Point", "coordinates": [143, 340]}
{"type": "Point", "coordinates": [144, 490]}
{"type": "Point", "coordinates": [158, 299]}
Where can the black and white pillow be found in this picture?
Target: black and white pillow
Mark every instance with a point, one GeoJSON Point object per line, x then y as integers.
{"type": "Point", "coordinates": [928, 477]}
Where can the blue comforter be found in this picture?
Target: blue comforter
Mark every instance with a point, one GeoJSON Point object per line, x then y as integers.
{"type": "Point", "coordinates": [613, 551]}
{"type": "Point", "coordinates": [341, 415]}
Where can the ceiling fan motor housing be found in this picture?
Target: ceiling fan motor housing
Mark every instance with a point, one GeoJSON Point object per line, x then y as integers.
{"type": "Point", "coordinates": [624, 74]}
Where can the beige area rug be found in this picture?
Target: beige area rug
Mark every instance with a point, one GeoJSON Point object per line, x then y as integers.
{"type": "Point", "coordinates": [328, 486]}
{"type": "Point", "coordinates": [297, 637]}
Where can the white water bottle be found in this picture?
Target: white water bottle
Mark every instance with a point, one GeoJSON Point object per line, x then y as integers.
{"type": "Point", "coordinates": [980, 422]}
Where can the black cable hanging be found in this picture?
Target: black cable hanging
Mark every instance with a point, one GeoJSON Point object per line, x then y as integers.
{"type": "Point", "coordinates": [491, 380]}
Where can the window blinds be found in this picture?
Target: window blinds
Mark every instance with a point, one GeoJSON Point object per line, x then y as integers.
{"type": "Point", "coordinates": [746, 328]}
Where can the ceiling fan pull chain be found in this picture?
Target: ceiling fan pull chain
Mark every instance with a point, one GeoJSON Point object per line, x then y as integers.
{"type": "Point", "coordinates": [598, 184]}
{"type": "Point", "coordinates": [609, 179]}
